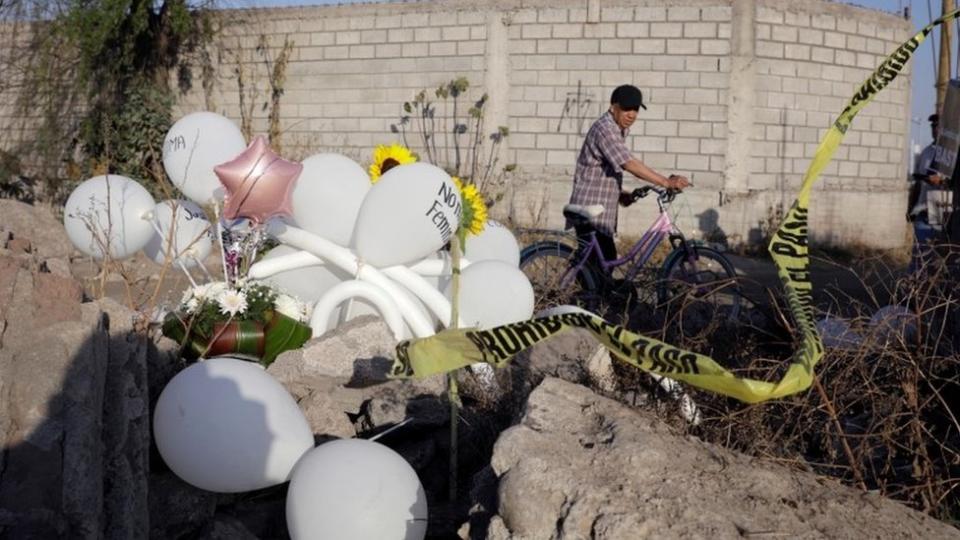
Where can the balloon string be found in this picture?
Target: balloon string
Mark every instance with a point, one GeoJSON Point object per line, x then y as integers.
{"type": "Point", "coordinates": [202, 267]}
{"type": "Point", "coordinates": [176, 259]}
{"type": "Point", "coordinates": [223, 256]}
{"type": "Point", "coordinates": [394, 428]}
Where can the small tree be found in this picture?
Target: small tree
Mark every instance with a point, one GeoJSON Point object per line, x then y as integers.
{"type": "Point", "coordinates": [456, 144]}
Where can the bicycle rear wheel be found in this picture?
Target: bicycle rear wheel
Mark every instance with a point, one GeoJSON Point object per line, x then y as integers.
{"type": "Point", "coordinates": [698, 289]}
{"type": "Point", "coordinates": [548, 267]}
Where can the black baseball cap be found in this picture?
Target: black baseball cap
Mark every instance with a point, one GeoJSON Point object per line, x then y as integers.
{"type": "Point", "coordinates": [628, 97]}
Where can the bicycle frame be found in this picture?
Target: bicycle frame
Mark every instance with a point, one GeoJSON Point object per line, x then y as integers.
{"type": "Point", "coordinates": [660, 229]}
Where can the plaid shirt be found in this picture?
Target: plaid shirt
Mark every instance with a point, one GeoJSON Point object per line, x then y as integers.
{"type": "Point", "coordinates": [599, 175]}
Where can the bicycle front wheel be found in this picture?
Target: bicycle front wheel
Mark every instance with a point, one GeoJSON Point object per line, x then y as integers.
{"type": "Point", "coordinates": [549, 267]}
{"type": "Point", "coordinates": [698, 289]}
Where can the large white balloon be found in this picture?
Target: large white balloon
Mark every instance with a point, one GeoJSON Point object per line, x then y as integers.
{"type": "Point", "coordinates": [328, 196]}
{"type": "Point", "coordinates": [109, 215]}
{"type": "Point", "coordinates": [355, 489]}
{"type": "Point", "coordinates": [192, 236]}
{"type": "Point", "coordinates": [411, 212]}
{"type": "Point", "coordinates": [194, 146]}
{"type": "Point", "coordinates": [493, 293]}
{"type": "Point", "coordinates": [494, 243]}
{"type": "Point", "coordinates": [225, 425]}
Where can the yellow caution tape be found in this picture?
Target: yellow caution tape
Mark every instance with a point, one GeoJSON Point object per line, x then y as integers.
{"type": "Point", "coordinates": [453, 349]}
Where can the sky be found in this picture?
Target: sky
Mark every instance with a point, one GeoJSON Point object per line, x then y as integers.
{"type": "Point", "coordinates": [924, 68]}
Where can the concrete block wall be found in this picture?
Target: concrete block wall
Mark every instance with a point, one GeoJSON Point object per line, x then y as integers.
{"type": "Point", "coordinates": [739, 93]}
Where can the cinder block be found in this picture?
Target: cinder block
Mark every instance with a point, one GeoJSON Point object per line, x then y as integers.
{"type": "Point", "coordinates": [478, 32]}
{"type": "Point", "coordinates": [683, 46]}
{"type": "Point", "coordinates": [571, 61]}
{"type": "Point", "coordinates": [583, 46]}
{"type": "Point", "coordinates": [716, 13]}
{"type": "Point", "coordinates": [541, 62]}
{"type": "Point", "coordinates": [633, 30]}
{"type": "Point", "coordinates": [713, 113]}
{"type": "Point", "coordinates": [523, 140]}
{"type": "Point", "coordinates": [468, 48]}
{"type": "Point", "coordinates": [471, 17]}
{"type": "Point", "coordinates": [723, 31]}
{"type": "Point", "coordinates": [388, 21]}
{"type": "Point", "coordinates": [715, 46]}
{"type": "Point", "coordinates": [713, 147]}
{"type": "Point", "coordinates": [553, 46]}
{"type": "Point", "coordinates": [392, 50]}
{"type": "Point", "coordinates": [835, 40]}
{"type": "Point", "coordinates": [577, 15]}
{"type": "Point", "coordinates": [415, 50]}
{"type": "Point", "coordinates": [701, 96]}
{"type": "Point", "coordinates": [427, 34]}
{"type": "Point", "coordinates": [555, 78]}
{"type": "Point", "coordinates": [567, 30]}
{"type": "Point", "coordinates": [769, 49]}
{"type": "Point", "coordinates": [336, 24]}
{"type": "Point", "coordinates": [531, 157]}
{"type": "Point", "coordinates": [536, 31]}
{"type": "Point", "coordinates": [784, 33]}
{"type": "Point", "coordinates": [694, 129]}
{"type": "Point", "coordinates": [648, 144]}
{"type": "Point", "coordinates": [867, 29]}
{"type": "Point", "coordinates": [794, 51]}
{"type": "Point", "coordinates": [705, 64]}
{"type": "Point", "coordinates": [551, 141]}
{"type": "Point", "coordinates": [661, 161]}
{"type": "Point", "coordinates": [683, 13]}
{"type": "Point", "coordinates": [845, 58]}
{"type": "Point", "coordinates": [847, 25]}
{"type": "Point", "coordinates": [810, 36]}
{"type": "Point", "coordinates": [552, 16]}
{"type": "Point", "coordinates": [336, 52]}
{"type": "Point", "coordinates": [649, 14]}
{"type": "Point", "coordinates": [322, 38]}
{"type": "Point", "coordinates": [660, 128]}
{"type": "Point", "coordinates": [562, 157]}
{"type": "Point", "coordinates": [348, 38]}
{"type": "Point", "coordinates": [619, 46]}
{"type": "Point", "coordinates": [649, 46]}
{"type": "Point", "coordinates": [822, 55]}
{"type": "Point", "coordinates": [636, 62]}
{"type": "Point", "coordinates": [616, 14]}
{"type": "Point", "coordinates": [693, 162]}
{"type": "Point", "coordinates": [857, 43]}
{"type": "Point", "coordinates": [768, 83]}
{"type": "Point", "coordinates": [443, 48]}
{"type": "Point", "coordinates": [395, 35]}
{"type": "Point", "coordinates": [361, 23]}
{"type": "Point", "coordinates": [373, 36]}
{"type": "Point", "coordinates": [769, 15]}
{"type": "Point", "coordinates": [683, 79]}
{"type": "Point", "coordinates": [602, 31]}
{"type": "Point", "coordinates": [796, 18]}
{"type": "Point", "coordinates": [524, 16]}
{"type": "Point", "coordinates": [671, 30]}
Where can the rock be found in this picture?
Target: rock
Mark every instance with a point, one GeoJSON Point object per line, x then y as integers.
{"type": "Point", "coordinates": [177, 508]}
{"type": "Point", "coordinates": [227, 528]}
{"type": "Point", "coordinates": [393, 405]}
{"type": "Point", "coordinates": [579, 465]}
{"type": "Point", "coordinates": [563, 356]}
{"type": "Point", "coordinates": [37, 225]}
{"type": "Point", "coordinates": [31, 300]}
{"type": "Point", "coordinates": [57, 266]}
{"type": "Point", "coordinates": [19, 245]}
{"type": "Point", "coordinates": [360, 350]}
{"type": "Point", "coordinates": [326, 417]}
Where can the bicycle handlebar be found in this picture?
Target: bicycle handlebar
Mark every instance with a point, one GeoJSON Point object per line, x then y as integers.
{"type": "Point", "coordinates": [665, 195]}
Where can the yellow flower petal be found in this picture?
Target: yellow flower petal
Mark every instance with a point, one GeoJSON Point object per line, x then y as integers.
{"type": "Point", "coordinates": [387, 157]}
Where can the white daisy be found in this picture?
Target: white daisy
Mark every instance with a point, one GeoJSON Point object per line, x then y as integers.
{"type": "Point", "coordinates": [191, 305]}
{"type": "Point", "coordinates": [290, 306]}
{"type": "Point", "coordinates": [232, 302]}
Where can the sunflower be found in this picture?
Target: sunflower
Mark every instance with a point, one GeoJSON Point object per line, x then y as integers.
{"type": "Point", "coordinates": [474, 216]}
{"type": "Point", "coordinates": [388, 157]}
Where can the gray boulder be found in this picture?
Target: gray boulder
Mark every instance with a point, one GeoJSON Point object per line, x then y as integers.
{"type": "Point", "coordinates": [45, 233]}
{"type": "Point", "coordinates": [579, 465]}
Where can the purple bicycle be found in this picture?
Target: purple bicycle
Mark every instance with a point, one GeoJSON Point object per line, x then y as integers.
{"type": "Point", "coordinates": [695, 283]}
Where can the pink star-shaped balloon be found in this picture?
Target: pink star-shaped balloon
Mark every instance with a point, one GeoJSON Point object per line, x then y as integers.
{"type": "Point", "coordinates": [258, 183]}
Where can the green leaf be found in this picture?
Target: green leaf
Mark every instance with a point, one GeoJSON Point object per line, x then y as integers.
{"type": "Point", "coordinates": [283, 334]}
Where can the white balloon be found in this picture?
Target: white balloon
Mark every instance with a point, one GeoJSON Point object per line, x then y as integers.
{"type": "Point", "coordinates": [494, 243]}
{"type": "Point", "coordinates": [493, 293]}
{"type": "Point", "coordinates": [354, 489]}
{"type": "Point", "coordinates": [894, 324]}
{"type": "Point", "coordinates": [194, 146]}
{"type": "Point", "coordinates": [837, 334]}
{"type": "Point", "coordinates": [109, 215]}
{"type": "Point", "coordinates": [328, 195]}
{"type": "Point", "coordinates": [411, 212]}
{"type": "Point", "coordinates": [192, 233]}
{"type": "Point", "coordinates": [225, 425]}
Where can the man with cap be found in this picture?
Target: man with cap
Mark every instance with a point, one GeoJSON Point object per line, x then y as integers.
{"type": "Point", "coordinates": [598, 179]}
{"type": "Point", "coordinates": [925, 182]}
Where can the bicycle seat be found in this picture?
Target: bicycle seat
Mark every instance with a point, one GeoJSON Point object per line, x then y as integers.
{"type": "Point", "coordinates": [577, 213]}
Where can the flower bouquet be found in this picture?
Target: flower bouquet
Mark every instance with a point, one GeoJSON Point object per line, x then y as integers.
{"type": "Point", "coordinates": [243, 319]}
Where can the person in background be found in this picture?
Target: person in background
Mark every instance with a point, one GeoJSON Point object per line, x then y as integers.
{"type": "Point", "coordinates": [603, 158]}
{"type": "Point", "coordinates": [924, 181]}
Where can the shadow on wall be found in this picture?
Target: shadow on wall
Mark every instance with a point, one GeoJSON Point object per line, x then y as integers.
{"type": "Point", "coordinates": [77, 459]}
{"type": "Point", "coordinates": [708, 222]}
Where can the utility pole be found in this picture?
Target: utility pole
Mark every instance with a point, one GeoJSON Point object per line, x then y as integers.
{"type": "Point", "coordinates": [943, 69]}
